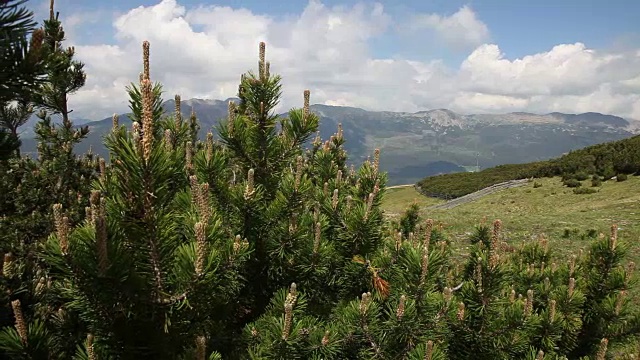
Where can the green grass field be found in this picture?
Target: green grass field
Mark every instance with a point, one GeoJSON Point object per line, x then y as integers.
{"type": "Point", "coordinates": [527, 212]}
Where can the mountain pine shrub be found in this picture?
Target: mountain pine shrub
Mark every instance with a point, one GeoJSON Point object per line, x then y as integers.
{"type": "Point", "coordinates": [29, 188]}
{"type": "Point", "coordinates": [584, 190]}
{"type": "Point", "coordinates": [261, 243]}
{"type": "Point", "coordinates": [21, 61]}
{"type": "Point", "coordinates": [572, 183]}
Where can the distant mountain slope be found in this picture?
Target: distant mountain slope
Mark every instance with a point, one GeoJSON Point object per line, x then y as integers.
{"type": "Point", "coordinates": [605, 160]}
{"type": "Point", "coordinates": [593, 119]}
{"type": "Point", "coordinates": [430, 142]}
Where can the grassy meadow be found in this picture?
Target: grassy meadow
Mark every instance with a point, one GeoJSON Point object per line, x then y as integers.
{"type": "Point", "coordinates": [551, 209]}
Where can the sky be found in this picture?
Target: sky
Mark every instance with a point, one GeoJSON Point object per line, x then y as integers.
{"type": "Point", "coordinates": [475, 56]}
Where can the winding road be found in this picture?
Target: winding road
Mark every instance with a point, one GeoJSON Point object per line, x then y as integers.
{"type": "Point", "coordinates": [473, 196]}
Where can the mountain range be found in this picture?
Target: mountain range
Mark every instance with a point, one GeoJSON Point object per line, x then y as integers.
{"type": "Point", "coordinates": [425, 143]}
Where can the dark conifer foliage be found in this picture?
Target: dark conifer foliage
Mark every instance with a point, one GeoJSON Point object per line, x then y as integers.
{"type": "Point", "coordinates": [20, 58]}
{"type": "Point", "coordinates": [29, 188]}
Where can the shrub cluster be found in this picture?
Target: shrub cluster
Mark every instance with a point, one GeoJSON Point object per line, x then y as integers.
{"type": "Point", "coordinates": [607, 160]}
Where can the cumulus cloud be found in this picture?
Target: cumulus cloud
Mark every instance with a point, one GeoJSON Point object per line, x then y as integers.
{"type": "Point", "coordinates": [461, 29]}
{"type": "Point", "coordinates": [201, 52]}
{"type": "Point", "coordinates": [569, 77]}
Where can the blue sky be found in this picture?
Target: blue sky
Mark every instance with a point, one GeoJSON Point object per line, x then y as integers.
{"type": "Point", "coordinates": [524, 27]}
{"type": "Point", "coordinates": [469, 56]}
{"type": "Point", "coordinates": [520, 27]}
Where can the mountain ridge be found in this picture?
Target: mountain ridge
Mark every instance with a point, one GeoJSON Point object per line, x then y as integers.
{"type": "Point", "coordinates": [587, 118]}
{"type": "Point", "coordinates": [427, 142]}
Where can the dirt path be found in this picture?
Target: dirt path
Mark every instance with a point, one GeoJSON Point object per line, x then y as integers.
{"type": "Point", "coordinates": [478, 194]}
{"type": "Point", "coordinates": [400, 186]}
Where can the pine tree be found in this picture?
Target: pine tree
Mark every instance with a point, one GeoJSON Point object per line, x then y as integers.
{"type": "Point", "coordinates": [64, 75]}
{"type": "Point", "coordinates": [30, 187]}
{"type": "Point", "coordinates": [29, 191]}
{"type": "Point", "coordinates": [22, 69]}
{"type": "Point", "coordinates": [145, 267]}
{"type": "Point", "coordinates": [12, 115]}
{"type": "Point", "coordinates": [20, 60]}
{"type": "Point", "coordinates": [58, 175]}
{"type": "Point", "coordinates": [155, 243]}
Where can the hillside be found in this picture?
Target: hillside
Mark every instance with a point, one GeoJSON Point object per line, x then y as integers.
{"type": "Point", "coordinates": [526, 211]}
{"type": "Point", "coordinates": [604, 160]}
{"type": "Point", "coordinates": [426, 143]}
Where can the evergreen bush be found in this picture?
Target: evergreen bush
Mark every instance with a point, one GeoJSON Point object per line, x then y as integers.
{"type": "Point", "coordinates": [582, 190]}
{"type": "Point", "coordinates": [581, 176]}
{"type": "Point", "coordinates": [572, 183]}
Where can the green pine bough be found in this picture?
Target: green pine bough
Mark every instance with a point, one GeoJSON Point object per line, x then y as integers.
{"type": "Point", "coordinates": [262, 243]}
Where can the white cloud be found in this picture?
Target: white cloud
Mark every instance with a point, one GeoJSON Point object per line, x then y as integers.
{"type": "Point", "coordinates": [569, 77]}
{"type": "Point", "coordinates": [201, 52]}
{"type": "Point", "coordinates": [461, 29]}
{"type": "Point", "coordinates": [567, 68]}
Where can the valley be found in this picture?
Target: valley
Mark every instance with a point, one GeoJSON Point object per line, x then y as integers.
{"type": "Point", "coordinates": [425, 143]}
